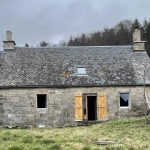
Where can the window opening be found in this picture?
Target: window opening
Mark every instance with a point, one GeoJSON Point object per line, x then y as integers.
{"type": "Point", "coordinates": [41, 101]}
{"type": "Point", "coordinates": [124, 100]}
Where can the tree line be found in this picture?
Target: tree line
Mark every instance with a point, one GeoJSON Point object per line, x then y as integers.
{"type": "Point", "coordinates": [120, 34]}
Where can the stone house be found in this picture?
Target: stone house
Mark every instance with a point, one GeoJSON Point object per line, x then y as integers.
{"type": "Point", "coordinates": [70, 86]}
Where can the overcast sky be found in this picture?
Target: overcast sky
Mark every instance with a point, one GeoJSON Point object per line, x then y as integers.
{"type": "Point", "coordinates": [32, 21]}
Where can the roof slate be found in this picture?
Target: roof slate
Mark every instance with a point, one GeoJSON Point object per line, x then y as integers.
{"type": "Point", "coordinates": [57, 66]}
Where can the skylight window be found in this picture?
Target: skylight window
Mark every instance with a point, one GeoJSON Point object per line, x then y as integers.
{"type": "Point", "coordinates": [81, 70]}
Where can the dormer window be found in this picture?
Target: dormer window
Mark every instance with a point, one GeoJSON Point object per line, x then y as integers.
{"type": "Point", "coordinates": [81, 71]}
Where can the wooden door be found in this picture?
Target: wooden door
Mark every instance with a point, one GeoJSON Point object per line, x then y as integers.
{"type": "Point", "coordinates": [102, 106]}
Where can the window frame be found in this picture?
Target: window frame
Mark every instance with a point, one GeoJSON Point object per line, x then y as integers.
{"type": "Point", "coordinates": [124, 107]}
{"type": "Point", "coordinates": [46, 101]}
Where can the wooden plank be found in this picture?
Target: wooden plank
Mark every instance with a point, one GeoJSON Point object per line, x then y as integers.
{"type": "Point", "coordinates": [106, 142]}
{"type": "Point", "coordinates": [102, 106]}
{"type": "Point", "coordinates": [78, 107]}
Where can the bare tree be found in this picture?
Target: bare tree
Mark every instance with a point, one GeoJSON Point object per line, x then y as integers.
{"type": "Point", "coordinates": [147, 105]}
{"type": "Point", "coordinates": [62, 43]}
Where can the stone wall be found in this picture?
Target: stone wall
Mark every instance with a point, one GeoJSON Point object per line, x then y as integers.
{"type": "Point", "coordinates": [18, 107]}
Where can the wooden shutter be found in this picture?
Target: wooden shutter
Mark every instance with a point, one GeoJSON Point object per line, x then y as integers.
{"type": "Point", "coordinates": [102, 106]}
{"type": "Point", "coordinates": [78, 107]}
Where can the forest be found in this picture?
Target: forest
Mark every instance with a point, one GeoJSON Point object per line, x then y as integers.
{"type": "Point", "coordinates": [120, 34]}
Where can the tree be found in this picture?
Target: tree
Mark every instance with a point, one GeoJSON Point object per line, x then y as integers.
{"type": "Point", "coordinates": [26, 45]}
{"type": "Point", "coordinates": [147, 105]}
{"type": "Point", "coordinates": [83, 40]}
{"type": "Point", "coordinates": [145, 24]}
{"type": "Point", "coordinates": [77, 41]}
{"type": "Point", "coordinates": [43, 44]}
{"type": "Point", "coordinates": [71, 41]}
{"type": "Point", "coordinates": [62, 43]}
{"type": "Point", "coordinates": [123, 32]}
{"type": "Point", "coordinates": [137, 24]}
{"type": "Point", "coordinates": [147, 31]}
{"type": "Point", "coordinates": [96, 38]}
{"type": "Point", "coordinates": [146, 35]}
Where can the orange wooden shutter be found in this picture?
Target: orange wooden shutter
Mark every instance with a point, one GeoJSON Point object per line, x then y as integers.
{"type": "Point", "coordinates": [78, 107]}
{"type": "Point", "coordinates": [102, 106]}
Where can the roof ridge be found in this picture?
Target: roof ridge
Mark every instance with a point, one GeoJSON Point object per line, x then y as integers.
{"type": "Point", "coordinates": [74, 46]}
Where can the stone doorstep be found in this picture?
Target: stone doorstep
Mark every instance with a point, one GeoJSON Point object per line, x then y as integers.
{"type": "Point", "coordinates": [92, 121]}
{"type": "Point", "coordinates": [84, 122]}
{"type": "Point", "coordinates": [106, 142]}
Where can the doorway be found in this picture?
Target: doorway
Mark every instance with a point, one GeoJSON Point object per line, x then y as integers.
{"type": "Point", "coordinates": [90, 107]}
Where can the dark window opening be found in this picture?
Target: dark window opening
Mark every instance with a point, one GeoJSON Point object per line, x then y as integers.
{"type": "Point", "coordinates": [41, 101]}
{"type": "Point", "coordinates": [92, 108]}
{"type": "Point", "coordinates": [124, 100]}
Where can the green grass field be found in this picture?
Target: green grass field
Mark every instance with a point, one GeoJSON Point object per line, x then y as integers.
{"type": "Point", "coordinates": [131, 134]}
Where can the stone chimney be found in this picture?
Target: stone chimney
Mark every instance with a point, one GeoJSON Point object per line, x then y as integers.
{"type": "Point", "coordinates": [137, 44]}
{"type": "Point", "coordinates": [9, 44]}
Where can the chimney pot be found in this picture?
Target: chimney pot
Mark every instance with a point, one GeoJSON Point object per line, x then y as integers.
{"type": "Point", "coordinates": [8, 36]}
{"type": "Point", "coordinates": [137, 34]}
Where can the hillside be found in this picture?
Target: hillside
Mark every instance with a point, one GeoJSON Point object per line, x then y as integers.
{"type": "Point", "coordinates": [129, 133]}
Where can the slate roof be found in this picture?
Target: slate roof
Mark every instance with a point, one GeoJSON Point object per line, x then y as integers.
{"type": "Point", "coordinates": [105, 66]}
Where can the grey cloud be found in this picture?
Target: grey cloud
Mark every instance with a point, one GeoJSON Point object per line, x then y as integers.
{"type": "Point", "coordinates": [32, 21]}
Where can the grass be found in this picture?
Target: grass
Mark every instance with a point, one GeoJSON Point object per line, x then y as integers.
{"type": "Point", "coordinates": [131, 134]}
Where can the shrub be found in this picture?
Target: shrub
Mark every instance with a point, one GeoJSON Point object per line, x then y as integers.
{"type": "Point", "coordinates": [39, 136]}
{"type": "Point", "coordinates": [86, 148]}
{"type": "Point", "coordinates": [15, 148]}
{"type": "Point", "coordinates": [114, 147]}
{"type": "Point", "coordinates": [27, 140]}
{"type": "Point", "coordinates": [47, 141]}
{"type": "Point", "coordinates": [36, 148]}
{"type": "Point", "coordinates": [55, 147]}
